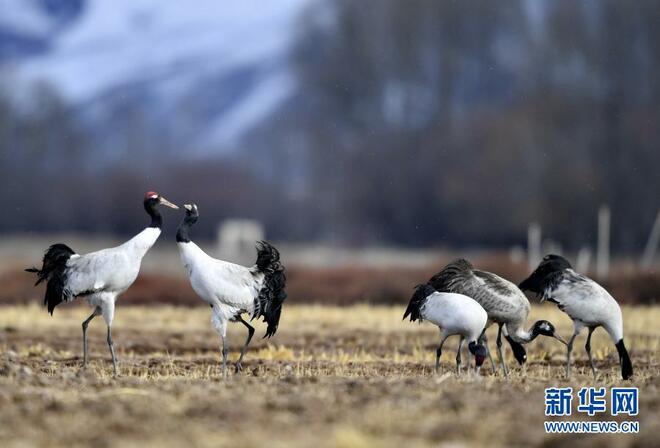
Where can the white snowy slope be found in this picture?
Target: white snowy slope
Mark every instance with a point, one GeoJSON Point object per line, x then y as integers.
{"type": "Point", "coordinates": [176, 54]}
{"type": "Point", "coordinates": [26, 17]}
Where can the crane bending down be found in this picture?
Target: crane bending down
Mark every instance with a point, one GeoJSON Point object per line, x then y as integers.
{"type": "Point", "coordinates": [505, 304]}
{"type": "Point", "coordinates": [586, 302]}
{"type": "Point", "coordinates": [232, 290]}
{"type": "Point", "coordinates": [453, 314]}
{"type": "Point", "coordinates": [100, 277]}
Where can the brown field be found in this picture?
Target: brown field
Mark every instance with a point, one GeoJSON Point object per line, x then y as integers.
{"type": "Point", "coordinates": [332, 377]}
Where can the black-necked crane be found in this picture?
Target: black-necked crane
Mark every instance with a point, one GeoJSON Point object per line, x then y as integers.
{"type": "Point", "coordinates": [505, 304]}
{"type": "Point", "coordinates": [586, 302]}
{"type": "Point", "coordinates": [100, 277]}
{"type": "Point", "coordinates": [231, 289]}
{"type": "Point", "coordinates": [454, 314]}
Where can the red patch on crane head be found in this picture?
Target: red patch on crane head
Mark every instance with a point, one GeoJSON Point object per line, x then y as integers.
{"type": "Point", "coordinates": [150, 195]}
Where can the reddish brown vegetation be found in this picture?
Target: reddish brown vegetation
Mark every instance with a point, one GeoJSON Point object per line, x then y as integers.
{"type": "Point", "coordinates": [348, 285]}
{"type": "Point", "coordinates": [341, 285]}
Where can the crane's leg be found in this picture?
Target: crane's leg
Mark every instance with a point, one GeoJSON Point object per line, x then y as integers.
{"type": "Point", "coordinates": [484, 340]}
{"type": "Point", "coordinates": [112, 352]}
{"type": "Point", "coordinates": [569, 347]}
{"type": "Point", "coordinates": [107, 307]}
{"type": "Point", "coordinates": [438, 352]}
{"type": "Point", "coordinates": [587, 347]}
{"type": "Point", "coordinates": [219, 323]}
{"type": "Point", "coordinates": [499, 351]}
{"type": "Point", "coordinates": [85, 324]}
{"type": "Point", "coordinates": [250, 328]}
{"type": "Point", "coordinates": [225, 352]}
{"type": "Point", "coordinates": [458, 356]}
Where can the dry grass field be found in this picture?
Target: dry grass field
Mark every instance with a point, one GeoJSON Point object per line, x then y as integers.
{"type": "Point", "coordinates": [332, 377]}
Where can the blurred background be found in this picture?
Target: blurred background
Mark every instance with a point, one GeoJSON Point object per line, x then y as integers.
{"type": "Point", "coordinates": [372, 141]}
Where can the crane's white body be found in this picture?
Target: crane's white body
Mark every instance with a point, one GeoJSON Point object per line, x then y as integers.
{"type": "Point", "coordinates": [101, 276]}
{"type": "Point", "coordinates": [455, 314]}
{"type": "Point", "coordinates": [587, 303]}
{"type": "Point", "coordinates": [229, 288]}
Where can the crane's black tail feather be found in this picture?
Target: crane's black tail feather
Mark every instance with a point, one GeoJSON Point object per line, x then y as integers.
{"type": "Point", "coordinates": [417, 300]}
{"type": "Point", "coordinates": [626, 364]}
{"type": "Point", "coordinates": [272, 294]}
{"type": "Point", "coordinates": [53, 271]}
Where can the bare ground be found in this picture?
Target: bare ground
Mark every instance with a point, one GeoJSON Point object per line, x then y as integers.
{"type": "Point", "coordinates": [332, 377]}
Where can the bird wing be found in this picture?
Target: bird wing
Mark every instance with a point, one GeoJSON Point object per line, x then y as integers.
{"type": "Point", "coordinates": [499, 297]}
{"type": "Point", "coordinates": [104, 270]}
{"type": "Point", "coordinates": [235, 285]}
{"type": "Point", "coordinates": [570, 294]}
{"type": "Point", "coordinates": [581, 298]}
{"type": "Point", "coordinates": [562, 285]}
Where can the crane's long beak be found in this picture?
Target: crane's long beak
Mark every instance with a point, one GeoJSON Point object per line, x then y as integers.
{"type": "Point", "coordinates": [560, 339]}
{"type": "Point", "coordinates": [167, 203]}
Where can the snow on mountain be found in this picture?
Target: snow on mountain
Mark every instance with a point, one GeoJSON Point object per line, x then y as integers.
{"type": "Point", "coordinates": [224, 62]}
{"type": "Point", "coordinates": [25, 17]}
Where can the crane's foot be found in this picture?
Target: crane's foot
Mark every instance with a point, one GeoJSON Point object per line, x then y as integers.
{"type": "Point", "coordinates": [238, 366]}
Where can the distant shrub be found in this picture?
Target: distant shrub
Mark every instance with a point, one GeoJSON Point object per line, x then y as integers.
{"type": "Point", "coordinates": [342, 285]}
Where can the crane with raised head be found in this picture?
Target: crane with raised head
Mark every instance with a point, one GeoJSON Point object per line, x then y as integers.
{"type": "Point", "coordinates": [232, 290]}
{"type": "Point", "coordinates": [99, 277]}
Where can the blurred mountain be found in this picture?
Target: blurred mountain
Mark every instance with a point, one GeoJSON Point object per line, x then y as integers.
{"type": "Point", "coordinates": [201, 73]}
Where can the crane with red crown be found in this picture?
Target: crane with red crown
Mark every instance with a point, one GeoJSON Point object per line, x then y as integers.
{"type": "Point", "coordinates": [101, 276]}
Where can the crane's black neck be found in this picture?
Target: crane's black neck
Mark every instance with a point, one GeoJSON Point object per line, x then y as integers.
{"type": "Point", "coordinates": [183, 233]}
{"type": "Point", "coordinates": [533, 334]}
{"type": "Point", "coordinates": [151, 208]}
{"type": "Point", "coordinates": [528, 336]}
{"type": "Point", "coordinates": [518, 350]}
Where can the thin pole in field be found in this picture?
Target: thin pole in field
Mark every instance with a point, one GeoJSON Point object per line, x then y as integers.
{"type": "Point", "coordinates": [651, 244]}
{"type": "Point", "coordinates": [533, 245]}
{"type": "Point", "coordinates": [583, 259]}
{"type": "Point", "coordinates": [603, 255]}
